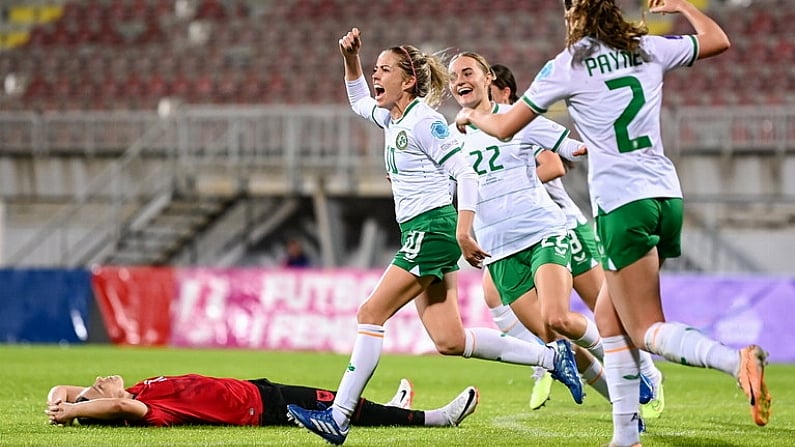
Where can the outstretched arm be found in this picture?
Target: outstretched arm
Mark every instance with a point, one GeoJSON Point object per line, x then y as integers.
{"type": "Point", "coordinates": [63, 413]}
{"type": "Point", "coordinates": [350, 44]}
{"type": "Point", "coordinates": [712, 40]}
{"type": "Point", "coordinates": [355, 85]}
{"type": "Point", "coordinates": [501, 125]}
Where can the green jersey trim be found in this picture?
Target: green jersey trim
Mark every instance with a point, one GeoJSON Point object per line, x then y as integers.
{"type": "Point", "coordinates": [449, 154]}
{"type": "Point", "coordinates": [406, 112]}
{"type": "Point", "coordinates": [695, 50]}
{"type": "Point", "coordinates": [533, 106]}
{"type": "Point", "coordinates": [372, 117]}
{"type": "Point", "coordinates": [494, 109]}
{"type": "Point", "coordinates": [560, 140]}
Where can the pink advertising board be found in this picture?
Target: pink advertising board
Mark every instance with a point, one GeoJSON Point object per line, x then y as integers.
{"type": "Point", "coordinates": [296, 310]}
{"type": "Point", "coordinates": [315, 310]}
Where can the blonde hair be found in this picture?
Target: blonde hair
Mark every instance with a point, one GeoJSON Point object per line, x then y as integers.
{"type": "Point", "coordinates": [602, 20]}
{"type": "Point", "coordinates": [428, 71]}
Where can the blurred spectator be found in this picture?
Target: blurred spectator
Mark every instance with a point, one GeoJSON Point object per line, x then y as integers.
{"type": "Point", "coordinates": [296, 257]}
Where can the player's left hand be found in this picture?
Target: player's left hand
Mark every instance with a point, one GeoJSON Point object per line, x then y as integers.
{"type": "Point", "coordinates": [472, 252]}
{"type": "Point", "coordinates": [582, 151]}
{"type": "Point", "coordinates": [58, 413]}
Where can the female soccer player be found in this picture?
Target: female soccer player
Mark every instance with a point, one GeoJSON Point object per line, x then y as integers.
{"type": "Point", "coordinates": [586, 270]}
{"type": "Point", "coordinates": [421, 156]}
{"type": "Point", "coordinates": [196, 399]}
{"type": "Point", "coordinates": [611, 77]}
{"type": "Point", "coordinates": [516, 220]}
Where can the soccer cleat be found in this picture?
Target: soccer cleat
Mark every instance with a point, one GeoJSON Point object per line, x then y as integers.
{"type": "Point", "coordinates": [646, 390]}
{"type": "Point", "coordinates": [541, 389]}
{"type": "Point", "coordinates": [566, 369]}
{"type": "Point", "coordinates": [462, 406]}
{"type": "Point", "coordinates": [404, 396]}
{"type": "Point", "coordinates": [654, 408]}
{"type": "Point", "coordinates": [320, 423]}
{"type": "Point", "coordinates": [751, 378]}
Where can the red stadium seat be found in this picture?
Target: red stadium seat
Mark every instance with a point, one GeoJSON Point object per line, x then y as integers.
{"type": "Point", "coordinates": [296, 40]}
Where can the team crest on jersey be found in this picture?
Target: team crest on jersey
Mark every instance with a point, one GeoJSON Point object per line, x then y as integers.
{"type": "Point", "coordinates": [402, 140]}
{"type": "Point", "coordinates": [440, 130]}
{"type": "Point", "coordinates": [546, 71]}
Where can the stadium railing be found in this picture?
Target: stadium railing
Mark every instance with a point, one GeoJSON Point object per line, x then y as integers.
{"type": "Point", "coordinates": [277, 149]}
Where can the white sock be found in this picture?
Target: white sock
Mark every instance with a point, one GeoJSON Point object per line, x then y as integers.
{"type": "Point", "coordinates": [364, 359]}
{"type": "Point", "coordinates": [491, 344]}
{"type": "Point", "coordinates": [436, 418]}
{"type": "Point", "coordinates": [623, 382]}
{"type": "Point", "coordinates": [508, 323]}
{"type": "Point", "coordinates": [648, 368]}
{"type": "Point", "coordinates": [591, 340]}
{"type": "Point", "coordinates": [685, 345]}
{"type": "Point", "coordinates": [594, 375]}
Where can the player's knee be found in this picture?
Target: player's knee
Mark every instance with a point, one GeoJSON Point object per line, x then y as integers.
{"type": "Point", "coordinates": [559, 323]}
{"type": "Point", "coordinates": [368, 315]}
{"type": "Point", "coordinates": [449, 346]}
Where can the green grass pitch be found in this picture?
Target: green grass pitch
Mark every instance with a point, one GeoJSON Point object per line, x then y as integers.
{"type": "Point", "coordinates": [703, 408]}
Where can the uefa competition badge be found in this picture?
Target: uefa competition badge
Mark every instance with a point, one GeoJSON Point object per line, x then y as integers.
{"type": "Point", "coordinates": [402, 140]}
{"type": "Point", "coordinates": [546, 70]}
{"type": "Point", "coordinates": [440, 130]}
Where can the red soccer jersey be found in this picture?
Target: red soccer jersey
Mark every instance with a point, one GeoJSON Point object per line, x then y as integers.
{"type": "Point", "coordinates": [196, 399]}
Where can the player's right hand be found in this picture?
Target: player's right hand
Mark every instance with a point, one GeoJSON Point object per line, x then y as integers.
{"type": "Point", "coordinates": [58, 413]}
{"type": "Point", "coordinates": [665, 6]}
{"type": "Point", "coordinates": [351, 43]}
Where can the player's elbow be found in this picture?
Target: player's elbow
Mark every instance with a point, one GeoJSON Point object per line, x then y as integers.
{"type": "Point", "coordinates": [714, 46]}
{"type": "Point", "coordinates": [722, 43]}
{"type": "Point", "coordinates": [128, 409]}
{"type": "Point", "coordinates": [726, 43]}
{"type": "Point", "coordinates": [55, 391]}
{"type": "Point", "coordinates": [557, 171]}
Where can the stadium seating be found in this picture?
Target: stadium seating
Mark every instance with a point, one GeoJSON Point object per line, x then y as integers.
{"type": "Point", "coordinates": [98, 54]}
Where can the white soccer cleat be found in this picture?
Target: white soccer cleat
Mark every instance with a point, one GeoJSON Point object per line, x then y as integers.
{"type": "Point", "coordinates": [462, 406]}
{"type": "Point", "coordinates": [404, 395]}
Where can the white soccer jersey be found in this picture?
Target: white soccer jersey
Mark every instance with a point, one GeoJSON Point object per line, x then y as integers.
{"type": "Point", "coordinates": [556, 190]}
{"type": "Point", "coordinates": [614, 99]}
{"type": "Point", "coordinates": [514, 211]}
{"type": "Point", "coordinates": [419, 153]}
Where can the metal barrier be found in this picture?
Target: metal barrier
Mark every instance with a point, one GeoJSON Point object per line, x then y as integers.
{"type": "Point", "coordinates": [153, 155]}
{"type": "Point", "coordinates": [330, 135]}
{"type": "Point", "coordinates": [729, 130]}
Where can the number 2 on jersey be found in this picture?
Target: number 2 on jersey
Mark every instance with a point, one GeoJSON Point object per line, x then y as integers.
{"type": "Point", "coordinates": [621, 125]}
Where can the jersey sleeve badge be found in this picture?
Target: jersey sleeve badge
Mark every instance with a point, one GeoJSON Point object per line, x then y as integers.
{"type": "Point", "coordinates": [546, 70]}
{"type": "Point", "coordinates": [440, 130]}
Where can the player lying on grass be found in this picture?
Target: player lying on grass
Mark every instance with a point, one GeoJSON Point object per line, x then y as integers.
{"type": "Point", "coordinates": [197, 399]}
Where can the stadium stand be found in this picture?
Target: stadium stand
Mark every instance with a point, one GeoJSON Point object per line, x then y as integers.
{"type": "Point", "coordinates": [89, 81]}
{"type": "Point", "coordinates": [128, 53]}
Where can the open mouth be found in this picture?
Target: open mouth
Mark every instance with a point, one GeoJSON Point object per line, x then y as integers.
{"type": "Point", "coordinates": [379, 91]}
{"type": "Point", "coordinates": [462, 91]}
